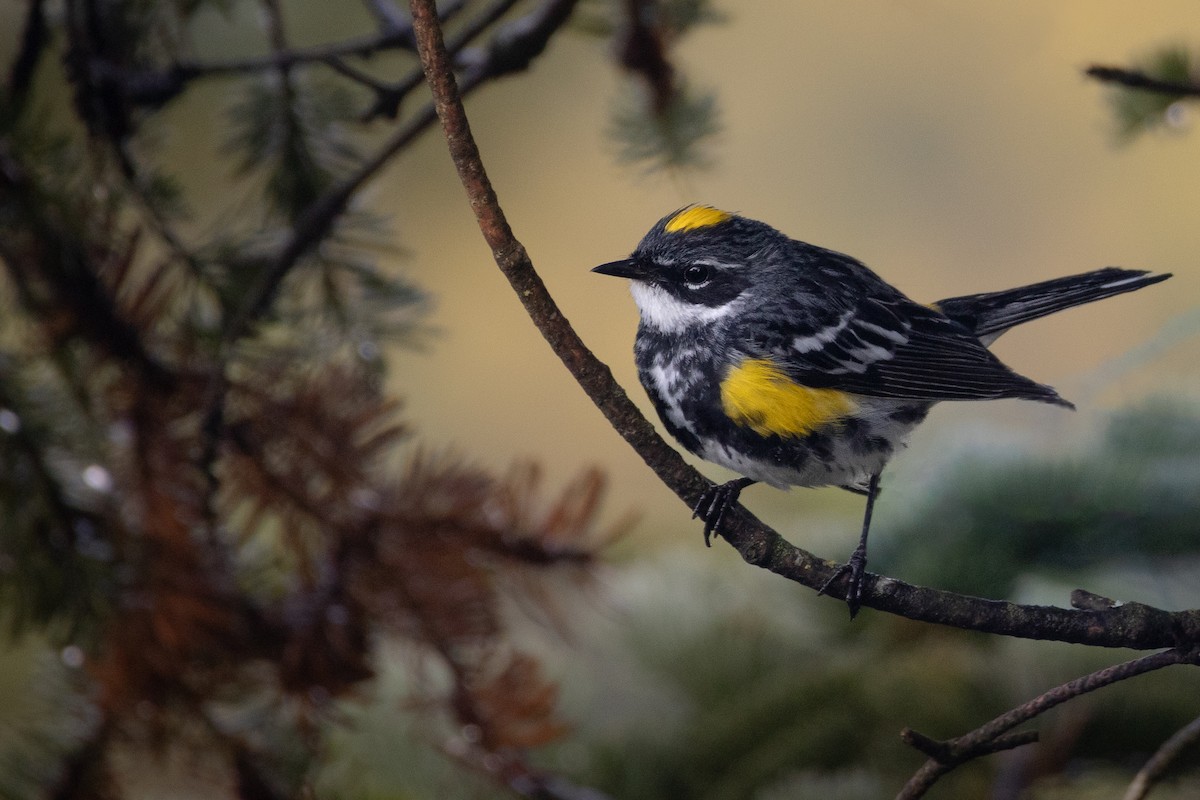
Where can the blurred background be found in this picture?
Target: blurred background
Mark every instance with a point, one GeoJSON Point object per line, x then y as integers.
{"type": "Point", "coordinates": [953, 148]}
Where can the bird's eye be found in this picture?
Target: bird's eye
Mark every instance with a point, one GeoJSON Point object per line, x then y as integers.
{"type": "Point", "coordinates": [696, 276]}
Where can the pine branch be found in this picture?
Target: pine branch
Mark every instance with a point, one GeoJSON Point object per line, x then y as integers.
{"type": "Point", "coordinates": [1131, 625]}
{"type": "Point", "coordinates": [155, 87]}
{"type": "Point", "coordinates": [643, 51]}
{"type": "Point", "coordinates": [1134, 79]}
{"type": "Point", "coordinates": [40, 248]}
{"type": "Point", "coordinates": [510, 52]}
{"type": "Point", "coordinates": [181, 626]}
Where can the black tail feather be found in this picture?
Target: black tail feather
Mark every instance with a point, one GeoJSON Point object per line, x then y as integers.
{"type": "Point", "coordinates": [990, 314]}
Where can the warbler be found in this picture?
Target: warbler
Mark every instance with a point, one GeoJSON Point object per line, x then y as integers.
{"type": "Point", "coordinates": [795, 365]}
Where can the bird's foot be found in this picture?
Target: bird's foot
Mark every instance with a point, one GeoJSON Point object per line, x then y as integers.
{"type": "Point", "coordinates": [856, 571]}
{"type": "Point", "coordinates": [715, 502]}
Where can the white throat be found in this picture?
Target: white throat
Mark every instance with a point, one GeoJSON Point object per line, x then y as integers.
{"type": "Point", "coordinates": [666, 313]}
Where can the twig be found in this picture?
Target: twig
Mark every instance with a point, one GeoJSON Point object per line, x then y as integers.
{"type": "Point", "coordinates": [475, 28]}
{"type": "Point", "coordinates": [388, 99]}
{"type": "Point", "coordinates": [387, 15]}
{"type": "Point", "coordinates": [1140, 80]}
{"type": "Point", "coordinates": [155, 87]}
{"type": "Point", "coordinates": [519, 42]}
{"type": "Point", "coordinates": [339, 66]}
{"type": "Point", "coordinates": [361, 47]}
{"type": "Point", "coordinates": [1130, 625]}
{"type": "Point", "coordinates": [993, 736]}
{"type": "Point", "coordinates": [34, 39]}
{"type": "Point", "coordinates": [642, 50]}
{"type": "Point", "coordinates": [1153, 770]}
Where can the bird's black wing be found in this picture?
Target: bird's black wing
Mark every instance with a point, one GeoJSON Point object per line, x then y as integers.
{"type": "Point", "coordinates": [867, 338]}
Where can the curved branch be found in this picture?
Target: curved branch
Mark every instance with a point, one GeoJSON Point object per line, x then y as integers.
{"type": "Point", "coordinates": [994, 736]}
{"type": "Point", "coordinates": [1130, 625]}
{"type": "Point", "coordinates": [1170, 750]}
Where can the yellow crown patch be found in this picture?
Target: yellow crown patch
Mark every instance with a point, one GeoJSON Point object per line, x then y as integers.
{"type": "Point", "coordinates": [694, 217]}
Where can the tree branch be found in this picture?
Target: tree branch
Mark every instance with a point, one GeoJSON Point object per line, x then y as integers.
{"type": "Point", "coordinates": [34, 38]}
{"type": "Point", "coordinates": [388, 98]}
{"type": "Point", "coordinates": [313, 224]}
{"type": "Point", "coordinates": [1130, 625]}
{"type": "Point", "coordinates": [156, 87]}
{"type": "Point", "coordinates": [993, 737]}
{"type": "Point", "coordinates": [1140, 80]}
{"type": "Point", "coordinates": [1170, 750]}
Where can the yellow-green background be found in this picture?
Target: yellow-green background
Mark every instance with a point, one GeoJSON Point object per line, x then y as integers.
{"type": "Point", "coordinates": [952, 147]}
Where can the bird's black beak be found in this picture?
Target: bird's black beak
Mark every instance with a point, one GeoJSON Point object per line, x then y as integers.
{"type": "Point", "coordinates": [625, 268]}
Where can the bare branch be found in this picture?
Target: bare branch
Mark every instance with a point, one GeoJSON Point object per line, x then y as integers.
{"type": "Point", "coordinates": [1148, 775]}
{"type": "Point", "coordinates": [993, 736]}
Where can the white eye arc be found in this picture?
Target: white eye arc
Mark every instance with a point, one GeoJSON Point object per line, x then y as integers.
{"type": "Point", "coordinates": [697, 276]}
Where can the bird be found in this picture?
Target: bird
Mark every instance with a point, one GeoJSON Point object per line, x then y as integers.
{"type": "Point", "coordinates": [795, 365]}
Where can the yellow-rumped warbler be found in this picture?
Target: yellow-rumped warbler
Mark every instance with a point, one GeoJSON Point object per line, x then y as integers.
{"type": "Point", "coordinates": [798, 366]}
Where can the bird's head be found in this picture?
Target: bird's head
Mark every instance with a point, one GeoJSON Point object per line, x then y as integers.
{"type": "Point", "coordinates": [696, 266]}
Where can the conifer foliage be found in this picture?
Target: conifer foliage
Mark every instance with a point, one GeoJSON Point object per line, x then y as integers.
{"type": "Point", "coordinates": [201, 501]}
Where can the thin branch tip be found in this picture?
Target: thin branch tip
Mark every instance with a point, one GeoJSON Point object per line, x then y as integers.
{"type": "Point", "coordinates": [937, 750]}
{"type": "Point", "coordinates": [1135, 79]}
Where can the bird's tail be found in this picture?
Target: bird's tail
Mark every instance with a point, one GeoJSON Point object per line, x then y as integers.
{"type": "Point", "coordinates": [991, 314]}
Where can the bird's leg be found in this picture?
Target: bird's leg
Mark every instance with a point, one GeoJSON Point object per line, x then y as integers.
{"type": "Point", "coordinates": [857, 565]}
{"type": "Point", "coordinates": [715, 501]}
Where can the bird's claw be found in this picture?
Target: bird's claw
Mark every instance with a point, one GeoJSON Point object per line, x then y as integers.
{"type": "Point", "coordinates": [856, 570]}
{"type": "Point", "coordinates": [715, 502]}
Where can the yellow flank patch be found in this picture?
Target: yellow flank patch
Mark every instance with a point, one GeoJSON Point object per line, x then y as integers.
{"type": "Point", "coordinates": [757, 394]}
{"type": "Point", "coordinates": [694, 217]}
